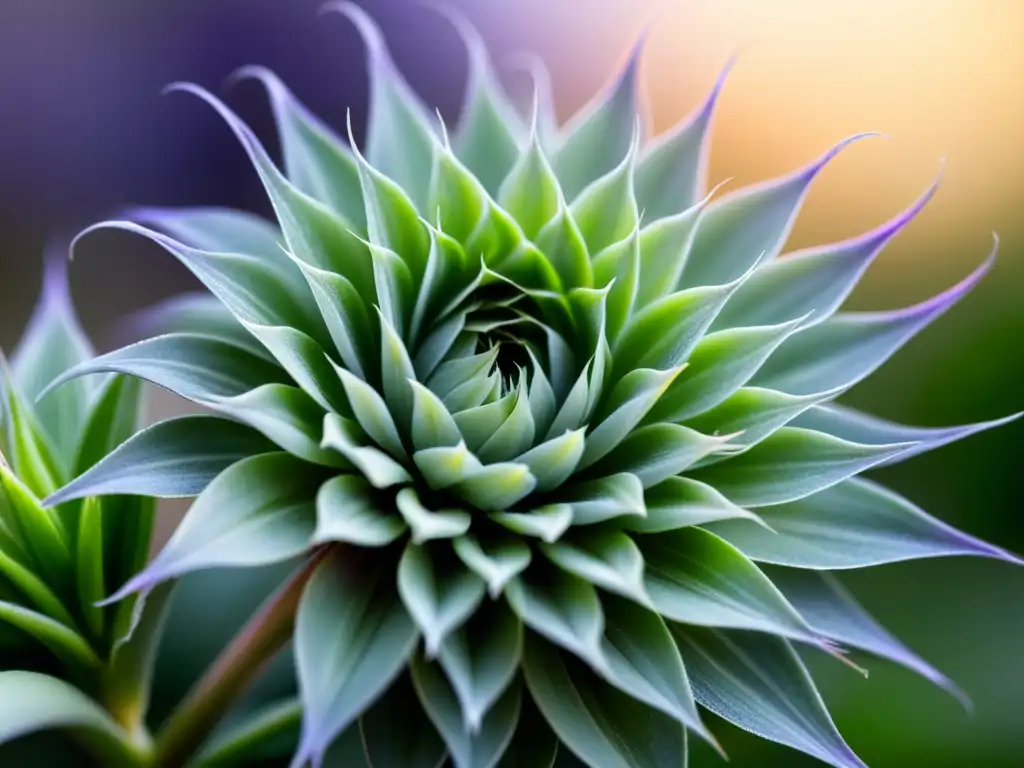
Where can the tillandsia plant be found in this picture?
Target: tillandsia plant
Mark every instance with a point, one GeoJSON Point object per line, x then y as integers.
{"type": "Point", "coordinates": [64, 660]}
{"type": "Point", "coordinates": [551, 432]}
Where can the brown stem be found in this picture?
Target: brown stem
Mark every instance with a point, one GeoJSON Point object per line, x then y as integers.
{"type": "Point", "coordinates": [238, 665]}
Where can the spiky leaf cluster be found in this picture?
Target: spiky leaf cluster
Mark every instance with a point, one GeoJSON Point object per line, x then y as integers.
{"type": "Point", "coordinates": [564, 425]}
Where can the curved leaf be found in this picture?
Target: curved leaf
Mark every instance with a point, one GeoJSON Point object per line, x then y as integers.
{"type": "Point", "coordinates": [413, 745]}
{"type": "Point", "coordinates": [347, 511]}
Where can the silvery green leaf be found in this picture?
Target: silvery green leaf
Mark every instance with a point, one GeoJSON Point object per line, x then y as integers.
{"type": "Point", "coordinates": [173, 458]}
{"type": "Point", "coordinates": [64, 642]}
{"type": "Point", "coordinates": [496, 562]}
{"type": "Point", "coordinates": [812, 280]}
{"type": "Point", "coordinates": [467, 749]}
{"type": "Point", "coordinates": [445, 466]}
{"type": "Point", "coordinates": [316, 160]}
{"type": "Point", "coordinates": [199, 313]}
{"type": "Point", "coordinates": [479, 423]}
{"type": "Point", "coordinates": [681, 502]}
{"type": "Point", "coordinates": [285, 415]}
{"type": "Point", "coordinates": [605, 558]}
{"type": "Point", "coordinates": [854, 524]}
{"type": "Point", "coordinates": [449, 278]}
{"type": "Point", "coordinates": [399, 137]}
{"type": "Point", "coordinates": [427, 524]}
{"type": "Point", "coordinates": [662, 334]}
{"type": "Point", "coordinates": [52, 343]}
{"type": "Point", "coordinates": [381, 470]}
{"type": "Point", "coordinates": [644, 662]}
{"type": "Point", "coordinates": [515, 434]}
{"type": "Point", "coordinates": [439, 594]}
{"type": "Point", "coordinates": [719, 365]}
{"type": "Point", "coordinates": [600, 135]}
{"type": "Point", "coordinates": [751, 414]}
{"type": "Point", "coordinates": [833, 612]}
{"type": "Point", "coordinates": [438, 344]}
{"type": "Point", "coordinates": [846, 348]}
{"type": "Point", "coordinates": [791, 464]}
{"type": "Point", "coordinates": [193, 366]}
{"type": "Point", "coordinates": [605, 498]}
{"type": "Point", "coordinates": [372, 413]}
{"type": "Point", "coordinates": [563, 608]}
{"type": "Point", "coordinates": [216, 230]}
{"type": "Point", "coordinates": [432, 424]}
{"type": "Point", "coordinates": [31, 702]}
{"type": "Point", "coordinates": [600, 724]}
{"type": "Point", "coordinates": [490, 131]}
{"type": "Point", "coordinates": [546, 523]}
{"type": "Point", "coordinates": [396, 373]}
{"type": "Point", "coordinates": [531, 192]}
{"type": "Point", "coordinates": [413, 745]}
{"type": "Point", "coordinates": [480, 660]}
{"type": "Point", "coordinates": [750, 223]}
{"type": "Point", "coordinates": [553, 461]}
{"type": "Point", "coordinates": [258, 511]}
{"type": "Point", "coordinates": [672, 169]}
{"type": "Point", "coordinates": [659, 451]}
{"type": "Point", "coordinates": [562, 243]}
{"type": "Point", "coordinates": [633, 397]}
{"type": "Point", "coordinates": [606, 211]}
{"type": "Point", "coordinates": [695, 577]}
{"type": "Point", "coordinates": [352, 639]}
{"type": "Point", "coordinates": [757, 682]}
{"type": "Point", "coordinates": [347, 511]}
{"type": "Point", "coordinates": [458, 197]}
{"type": "Point", "coordinates": [664, 249]}
{"type": "Point", "coordinates": [254, 288]}
{"type": "Point", "coordinates": [452, 374]}
{"type": "Point", "coordinates": [858, 427]}
{"type": "Point", "coordinates": [495, 487]}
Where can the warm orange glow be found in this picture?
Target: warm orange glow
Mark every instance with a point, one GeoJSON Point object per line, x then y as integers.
{"type": "Point", "coordinates": [944, 78]}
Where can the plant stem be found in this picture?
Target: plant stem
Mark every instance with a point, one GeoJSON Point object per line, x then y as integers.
{"type": "Point", "coordinates": [230, 675]}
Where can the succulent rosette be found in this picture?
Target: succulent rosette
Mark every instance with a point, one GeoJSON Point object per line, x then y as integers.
{"type": "Point", "coordinates": [559, 427]}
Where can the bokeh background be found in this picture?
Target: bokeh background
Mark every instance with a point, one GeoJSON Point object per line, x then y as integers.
{"type": "Point", "coordinates": [84, 131]}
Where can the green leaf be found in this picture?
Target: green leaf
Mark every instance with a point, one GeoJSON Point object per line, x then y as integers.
{"type": "Point", "coordinates": [633, 397]}
{"type": "Point", "coordinates": [664, 249]}
{"type": "Point", "coordinates": [347, 511]}
{"type": "Point", "coordinates": [52, 343]}
{"type": "Point", "coordinates": [34, 588]}
{"type": "Point", "coordinates": [199, 313]}
{"type": "Point", "coordinates": [606, 211]}
{"type": "Point", "coordinates": [252, 738]}
{"type": "Point", "coordinates": [432, 424]}
{"type": "Point", "coordinates": [847, 347]}
{"type": "Point", "coordinates": [315, 159]}
{"type": "Point", "coordinates": [478, 424]}
{"type": "Point", "coordinates": [439, 595]}
{"type": "Point", "coordinates": [112, 420]}
{"type": "Point", "coordinates": [563, 608]}
{"type": "Point", "coordinates": [445, 466]}
{"type": "Point", "coordinates": [531, 192]}
{"type": "Point", "coordinates": [461, 370]}
{"type": "Point", "coordinates": [599, 723]}
{"type": "Point", "coordinates": [757, 682]}
{"type": "Point", "coordinates": [495, 487]}
{"type": "Point", "coordinates": [600, 135]}
{"type": "Point", "coordinates": [673, 167]}
{"type": "Point", "coordinates": [174, 458]}
{"type": "Point", "coordinates": [659, 451]}
{"type": "Point", "coordinates": [681, 502]}
{"type": "Point", "coordinates": [34, 458]}
{"type": "Point", "coordinates": [69, 646]}
{"type": "Point", "coordinates": [546, 523]}
{"type": "Point", "coordinates": [352, 638]}
{"type": "Point", "coordinates": [561, 241]}
{"type": "Point", "coordinates": [553, 461]}
{"type": "Point", "coordinates": [619, 262]}
{"type": "Point", "coordinates": [481, 659]}
{"type": "Point", "coordinates": [719, 365]}
{"type": "Point", "coordinates": [467, 749]}
{"type": "Point", "coordinates": [515, 434]}
{"type": "Point", "coordinates": [89, 570]}
{"type": "Point", "coordinates": [217, 230]}
{"type": "Point", "coordinates": [31, 702]}
{"type": "Point", "coordinates": [372, 413]}
{"type": "Point", "coordinates": [790, 464]}
{"type": "Point", "coordinates": [413, 745]}
{"type": "Point", "coordinates": [399, 137]}
{"type": "Point", "coordinates": [258, 511]}
{"type": "Point", "coordinates": [833, 612]}
{"type": "Point", "coordinates": [496, 562]}
{"type": "Point", "coordinates": [864, 428]}
{"type": "Point", "coordinates": [695, 577]}
{"type": "Point", "coordinates": [427, 525]}
{"type": "Point", "coordinates": [644, 662]}
{"type": "Point", "coordinates": [854, 524]}
{"type": "Point", "coordinates": [605, 558]}
{"type": "Point", "coordinates": [193, 366]}
{"type": "Point", "coordinates": [605, 498]}
{"type": "Point", "coordinates": [812, 280]}
{"type": "Point", "coordinates": [381, 470]}
{"type": "Point", "coordinates": [38, 530]}
{"type": "Point", "coordinates": [750, 224]}
{"type": "Point", "coordinates": [286, 415]}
